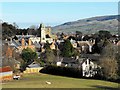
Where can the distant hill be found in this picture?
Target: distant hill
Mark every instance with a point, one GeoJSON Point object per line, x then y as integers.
{"type": "Point", "coordinates": [90, 25]}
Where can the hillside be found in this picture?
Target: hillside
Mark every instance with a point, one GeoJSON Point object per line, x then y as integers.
{"type": "Point", "coordinates": [90, 25]}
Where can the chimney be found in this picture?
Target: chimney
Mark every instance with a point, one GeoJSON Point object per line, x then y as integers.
{"type": "Point", "coordinates": [29, 42]}
{"type": "Point", "coordinates": [23, 42]}
{"type": "Point", "coordinates": [10, 40]}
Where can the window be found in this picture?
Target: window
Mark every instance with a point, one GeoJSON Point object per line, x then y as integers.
{"type": "Point", "coordinates": [90, 67]}
{"type": "Point", "coordinates": [86, 62]}
{"type": "Point", "coordinates": [89, 61]}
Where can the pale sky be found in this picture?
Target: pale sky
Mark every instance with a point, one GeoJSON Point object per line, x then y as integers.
{"type": "Point", "coordinates": [59, 0]}
{"type": "Point", "coordinates": [54, 13]}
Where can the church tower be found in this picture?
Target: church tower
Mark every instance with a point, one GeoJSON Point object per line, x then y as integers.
{"type": "Point", "coordinates": [42, 33]}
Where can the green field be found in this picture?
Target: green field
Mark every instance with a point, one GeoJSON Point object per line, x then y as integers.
{"type": "Point", "coordinates": [39, 81]}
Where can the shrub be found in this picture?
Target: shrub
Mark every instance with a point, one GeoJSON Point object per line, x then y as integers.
{"type": "Point", "coordinates": [62, 71]}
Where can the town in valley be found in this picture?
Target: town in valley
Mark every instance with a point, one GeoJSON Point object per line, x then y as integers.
{"type": "Point", "coordinates": [45, 56]}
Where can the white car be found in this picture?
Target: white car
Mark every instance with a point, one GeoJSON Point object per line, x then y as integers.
{"type": "Point", "coordinates": [16, 77]}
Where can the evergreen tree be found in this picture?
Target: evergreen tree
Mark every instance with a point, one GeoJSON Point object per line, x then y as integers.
{"type": "Point", "coordinates": [104, 34]}
{"type": "Point", "coordinates": [50, 57]}
{"type": "Point", "coordinates": [67, 50]}
{"type": "Point", "coordinates": [28, 55]}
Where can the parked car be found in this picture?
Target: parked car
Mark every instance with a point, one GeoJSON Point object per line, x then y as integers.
{"type": "Point", "coordinates": [16, 77]}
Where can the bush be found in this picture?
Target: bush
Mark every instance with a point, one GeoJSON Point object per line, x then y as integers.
{"type": "Point", "coordinates": [62, 71]}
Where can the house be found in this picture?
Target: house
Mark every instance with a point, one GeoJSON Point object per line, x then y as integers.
{"type": "Point", "coordinates": [33, 68]}
{"type": "Point", "coordinates": [26, 44]}
{"type": "Point", "coordinates": [87, 63]}
{"type": "Point", "coordinates": [118, 43]}
{"type": "Point", "coordinates": [8, 51]}
{"type": "Point", "coordinates": [59, 63]}
{"type": "Point", "coordinates": [6, 73]}
{"type": "Point", "coordinates": [89, 68]}
{"type": "Point", "coordinates": [73, 42]}
{"type": "Point", "coordinates": [17, 64]}
{"type": "Point", "coordinates": [35, 39]}
{"type": "Point", "coordinates": [86, 46]}
{"type": "Point", "coordinates": [20, 43]}
{"type": "Point", "coordinates": [53, 45]}
{"type": "Point", "coordinates": [68, 62]}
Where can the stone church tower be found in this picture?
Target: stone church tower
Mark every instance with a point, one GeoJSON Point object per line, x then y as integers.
{"type": "Point", "coordinates": [43, 33]}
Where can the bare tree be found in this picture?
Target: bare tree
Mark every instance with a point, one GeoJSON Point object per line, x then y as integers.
{"type": "Point", "coordinates": [108, 62]}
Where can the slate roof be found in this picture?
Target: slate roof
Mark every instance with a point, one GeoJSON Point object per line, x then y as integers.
{"type": "Point", "coordinates": [69, 60]}
{"type": "Point", "coordinates": [94, 57]}
{"type": "Point", "coordinates": [34, 65]}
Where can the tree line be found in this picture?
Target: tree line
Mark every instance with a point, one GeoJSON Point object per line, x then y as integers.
{"type": "Point", "coordinates": [9, 30]}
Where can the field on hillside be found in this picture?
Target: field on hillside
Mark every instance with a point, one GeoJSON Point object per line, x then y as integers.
{"type": "Point", "coordinates": [89, 25]}
{"type": "Point", "coordinates": [39, 81]}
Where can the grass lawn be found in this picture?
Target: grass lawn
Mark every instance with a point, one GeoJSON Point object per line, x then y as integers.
{"type": "Point", "coordinates": [39, 81]}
